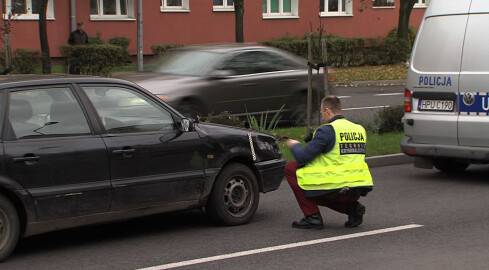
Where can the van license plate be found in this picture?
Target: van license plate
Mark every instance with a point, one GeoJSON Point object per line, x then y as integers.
{"type": "Point", "coordinates": [436, 105]}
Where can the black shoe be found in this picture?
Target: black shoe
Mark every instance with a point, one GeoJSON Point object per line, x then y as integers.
{"type": "Point", "coordinates": [355, 215]}
{"type": "Point", "coordinates": [314, 221]}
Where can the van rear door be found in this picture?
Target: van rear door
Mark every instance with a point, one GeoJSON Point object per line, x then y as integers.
{"type": "Point", "coordinates": [433, 79]}
{"type": "Point", "coordinates": [473, 124]}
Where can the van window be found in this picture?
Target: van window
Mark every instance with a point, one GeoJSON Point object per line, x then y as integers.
{"type": "Point", "coordinates": [440, 43]}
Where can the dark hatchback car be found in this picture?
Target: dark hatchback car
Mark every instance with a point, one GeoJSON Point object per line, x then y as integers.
{"type": "Point", "coordinates": [84, 150]}
{"type": "Point", "coordinates": [240, 79]}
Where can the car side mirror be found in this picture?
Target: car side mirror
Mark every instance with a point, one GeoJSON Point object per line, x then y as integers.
{"type": "Point", "coordinates": [220, 74]}
{"type": "Point", "coordinates": [186, 125]}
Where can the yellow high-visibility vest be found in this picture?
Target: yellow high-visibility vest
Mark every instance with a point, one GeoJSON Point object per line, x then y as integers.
{"type": "Point", "coordinates": [343, 166]}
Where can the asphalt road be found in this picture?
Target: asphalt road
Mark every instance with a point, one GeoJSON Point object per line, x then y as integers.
{"type": "Point", "coordinates": [416, 219]}
{"type": "Point", "coordinates": [362, 100]}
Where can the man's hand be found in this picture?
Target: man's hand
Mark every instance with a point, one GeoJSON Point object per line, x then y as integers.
{"type": "Point", "coordinates": [289, 143]}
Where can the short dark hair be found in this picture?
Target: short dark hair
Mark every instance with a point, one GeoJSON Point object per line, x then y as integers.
{"type": "Point", "coordinates": [80, 23]}
{"type": "Point", "coordinates": [333, 103]}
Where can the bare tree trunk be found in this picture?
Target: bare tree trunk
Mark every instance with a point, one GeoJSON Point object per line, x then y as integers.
{"type": "Point", "coordinates": [43, 37]}
{"type": "Point", "coordinates": [238, 16]}
{"type": "Point", "coordinates": [404, 14]}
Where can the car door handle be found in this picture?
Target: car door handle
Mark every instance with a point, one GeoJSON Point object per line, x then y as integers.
{"type": "Point", "coordinates": [29, 159]}
{"type": "Point", "coordinates": [124, 152]}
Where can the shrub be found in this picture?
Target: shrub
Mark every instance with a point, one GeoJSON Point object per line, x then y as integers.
{"type": "Point", "coordinates": [92, 59]}
{"type": "Point", "coordinates": [350, 51]}
{"type": "Point", "coordinates": [120, 41]}
{"type": "Point", "coordinates": [26, 61]}
{"type": "Point", "coordinates": [159, 49]}
{"type": "Point", "coordinates": [224, 118]}
{"type": "Point", "coordinates": [390, 119]}
{"type": "Point", "coordinates": [263, 125]}
{"type": "Point", "coordinates": [97, 39]}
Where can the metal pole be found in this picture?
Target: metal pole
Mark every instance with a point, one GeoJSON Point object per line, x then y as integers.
{"type": "Point", "coordinates": [309, 82]}
{"type": "Point", "coordinates": [140, 36]}
{"type": "Point", "coordinates": [73, 15]}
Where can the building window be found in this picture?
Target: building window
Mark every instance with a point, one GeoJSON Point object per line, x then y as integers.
{"type": "Point", "coordinates": [383, 3]}
{"type": "Point", "coordinates": [174, 6]}
{"type": "Point", "coordinates": [280, 9]}
{"type": "Point", "coordinates": [111, 9]}
{"type": "Point", "coordinates": [27, 9]}
{"type": "Point", "coordinates": [336, 7]}
{"type": "Point", "coordinates": [223, 5]}
{"type": "Point", "coordinates": [421, 3]}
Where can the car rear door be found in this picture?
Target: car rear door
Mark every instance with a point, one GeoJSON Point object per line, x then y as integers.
{"type": "Point", "coordinates": [473, 124]}
{"type": "Point", "coordinates": [152, 163]}
{"type": "Point", "coordinates": [51, 151]}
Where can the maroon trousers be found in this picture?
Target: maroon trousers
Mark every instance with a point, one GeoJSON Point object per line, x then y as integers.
{"type": "Point", "coordinates": [310, 206]}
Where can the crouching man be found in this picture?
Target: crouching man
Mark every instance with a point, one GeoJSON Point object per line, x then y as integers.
{"type": "Point", "coordinates": [330, 170]}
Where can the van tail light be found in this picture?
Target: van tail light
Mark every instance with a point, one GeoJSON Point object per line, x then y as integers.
{"type": "Point", "coordinates": [407, 101]}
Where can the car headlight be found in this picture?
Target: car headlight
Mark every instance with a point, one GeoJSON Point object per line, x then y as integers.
{"type": "Point", "coordinates": [268, 145]}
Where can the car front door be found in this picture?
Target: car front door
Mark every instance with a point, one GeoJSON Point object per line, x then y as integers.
{"type": "Point", "coordinates": [261, 82]}
{"type": "Point", "coordinates": [51, 151]}
{"type": "Point", "coordinates": [152, 162]}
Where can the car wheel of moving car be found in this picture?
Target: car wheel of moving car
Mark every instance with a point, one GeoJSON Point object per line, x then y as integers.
{"type": "Point", "coordinates": [9, 228]}
{"type": "Point", "coordinates": [448, 165]}
{"type": "Point", "coordinates": [298, 115]}
{"type": "Point", "coordinates": [234, 197]}
{"type": "Point", "coordinates": [189, 109]}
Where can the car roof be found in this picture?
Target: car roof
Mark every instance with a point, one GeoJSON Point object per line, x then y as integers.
{"type": "Point", "coordinates": [25, 80]}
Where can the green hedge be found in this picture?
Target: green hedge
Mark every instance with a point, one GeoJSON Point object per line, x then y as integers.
{"type": "Point", "coordinates": [158, 49]}
{"type": "Point", "coordinates": [24, 61]}
{"type": "Point", "coordinates": [351, 51]}
{"type": "Point", "coordinates": [98, 59]}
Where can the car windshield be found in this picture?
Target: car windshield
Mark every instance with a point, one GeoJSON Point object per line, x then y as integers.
{"type": "Point", "coordinates": [188, 63]}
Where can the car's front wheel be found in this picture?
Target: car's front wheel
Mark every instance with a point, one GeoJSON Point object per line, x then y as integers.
{"type": "Point", "coordinates": [9, 228]}
{"type": "Point", "coordinates": [234, 197]}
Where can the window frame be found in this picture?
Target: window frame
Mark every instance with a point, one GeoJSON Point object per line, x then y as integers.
{"type": "Point", "coordinates": [28, 15]}
{"type": "Point", "coordinates": [223, 7]}
{"type": "Point", "coordinates": [185, 7]}
{"type": "Point", "coordinates": [347, 13]}
{"type": "Point", "coordinates": [293, 14]}
{"type": "Point", "coordinates": [118, 16]}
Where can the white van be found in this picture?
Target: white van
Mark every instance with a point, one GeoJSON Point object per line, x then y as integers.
{"type": "Point", "coordinates": [446, 120]}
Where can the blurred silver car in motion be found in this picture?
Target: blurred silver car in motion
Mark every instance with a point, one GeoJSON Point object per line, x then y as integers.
{"type": "Point", "coordinates": [237, 78]}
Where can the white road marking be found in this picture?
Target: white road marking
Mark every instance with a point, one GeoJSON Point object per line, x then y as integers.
{"type": "Point", "coordinates": [344, 96]}
{"type": "Point", "coordinates": [362, 108]}
{"type": "Point", "coordinates": [389, 94]}
{"type": "Point", "coordinates": [280, 247]}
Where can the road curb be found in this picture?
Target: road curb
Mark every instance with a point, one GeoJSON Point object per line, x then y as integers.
{"type": "Point", "coordinates": [388, 160]}
{"type": "Point", "coordinates": [367, 83]}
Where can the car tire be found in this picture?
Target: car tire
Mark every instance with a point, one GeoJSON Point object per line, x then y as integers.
{"type": "Point", "coordinates": [298, 115]}
{"type": "Point", "coordinates": [9, 228]}
{"type": "Point", "coordinates": [234, 197]}
{"type": "Point", "coordinates": [449, 165]}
